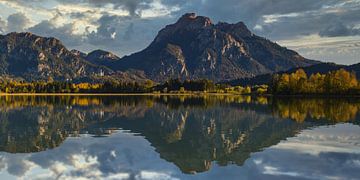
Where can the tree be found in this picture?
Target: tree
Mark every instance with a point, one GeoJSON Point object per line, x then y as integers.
{"type": "Point", "coordinates": [182, 90]}
{"type": "Point", "coordinates": [247, 90]}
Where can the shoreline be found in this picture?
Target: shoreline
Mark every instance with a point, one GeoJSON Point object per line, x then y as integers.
{"type": "Point", "coordinates": [120, 94]}
{"type": "Point", "coordinates": [180, 94]}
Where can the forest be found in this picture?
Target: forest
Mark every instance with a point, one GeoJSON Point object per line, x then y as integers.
{"type": "Point", "coordinates": [68, 87]}
{"type": "Point", "coordinates": [340, 82]}
{"type": "Point", "coordinates": [174, 86]}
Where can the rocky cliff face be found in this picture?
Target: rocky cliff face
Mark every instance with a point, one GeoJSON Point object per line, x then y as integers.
{"type": "Point", "coordinates": [195, 48]}
{"type": "Point", "coordinates": [32, 57]}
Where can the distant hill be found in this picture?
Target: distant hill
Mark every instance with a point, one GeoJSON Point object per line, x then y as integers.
{"type": "Point", "coordinates": [194, 48]}
{"type": "Point", "coordinates": [322, 68]}
{"type": "Point", "coordinates": [100, 57]}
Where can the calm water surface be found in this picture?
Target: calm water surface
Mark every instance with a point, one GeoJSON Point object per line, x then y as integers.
{"type": "Point", "coordinates": [174, 137]}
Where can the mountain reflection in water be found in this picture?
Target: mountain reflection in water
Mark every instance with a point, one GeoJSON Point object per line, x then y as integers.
{"type": "Point", "coordinates": [194, 133]}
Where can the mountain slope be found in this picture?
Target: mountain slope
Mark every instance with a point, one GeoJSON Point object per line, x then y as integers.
{"type": "Point", "coordinates": [32, 57]}
{"type": "Point", "coordinates": [195, 48]}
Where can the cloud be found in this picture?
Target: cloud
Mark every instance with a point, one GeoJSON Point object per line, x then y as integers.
{"type": "Point", "coordinates": [125, 34]}
{"type": "Point", "coordinates": [133, 7]}
{"type": "Point", "coordinates": [344, 50]}
{"type": "Point", "coordinates": [92, 158]}
{"type": "Point", "coordinates": [17, 22]}
{"type": "Point", "coordinates": [106, 31]}
{"type": "Point", "coordinates": [2, 26]}
{"type": "Point", "coordinates": [66, 32]}
{"type": "Point", "coordinates": [127, 26]}
{"type": "Point", "coordinates": [339, 29]}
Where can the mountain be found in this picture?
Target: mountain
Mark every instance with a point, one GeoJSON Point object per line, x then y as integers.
{"type": "Point", "coordinates": [78, 53]}
{"type": "Point", "coordinates": [195, 48]}
{"type": "Point", "coordinates": [100, 57]}
{"type": "Point", "coordinates": [30, 57]}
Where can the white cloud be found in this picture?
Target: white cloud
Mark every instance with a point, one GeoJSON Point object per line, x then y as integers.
{"type": "Point", "coordinates": [154, 175]}
{"type": "Point", "coordinates": [343, 50]}
{"type": "Point", "coordinates": [343, 139]}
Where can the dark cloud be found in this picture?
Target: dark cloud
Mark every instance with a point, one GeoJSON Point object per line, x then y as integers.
{"type": "Point", "coordinates": [17, 22]}
{"type": "Point", "coordinates": [292, 17]}
{"type": "Point", "coordinates": [80, 15]}
{"type": "Point", "coordinates": [249, 11]}
{"type": "Point", "coordinates": [125, 34]}
{"type": "Point", "coordinates": [106, 32]}
{"type": "Point", "coordinates": [134, 7]}
{"type": "Point", "coordinates": [310, 22]}
{"type": "Point", "coordinates": [65, 32]}
{"type": "Point", "coordinates": [339, 29]}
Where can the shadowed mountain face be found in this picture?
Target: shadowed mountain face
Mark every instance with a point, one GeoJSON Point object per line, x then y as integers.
{"type": "Point", "coordinates": [29, 57]}
{"type": "Point", "coordinates": [191, 132]}
{"type": "Point", "coordinates": [195, 48]}
{"type": "Point", "coordinates": [32, 57]}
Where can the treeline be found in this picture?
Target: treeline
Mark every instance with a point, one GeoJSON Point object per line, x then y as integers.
{"type": "Point", "coordinates": [340, 82]}
{"type": "Point", "coordinates": [175, 85]}
{"type": "Point", "coordinates": [68, 87]}
{"type": "Point", "coordinates": [170, 86]}
{"type": "Point", "coordinates": [206, 86]}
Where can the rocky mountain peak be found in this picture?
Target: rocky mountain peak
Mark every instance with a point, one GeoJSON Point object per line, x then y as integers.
{"type": "Point", "coordinates": [239, 29]}
{"type": "Point", "coordinates": [189, 22]}
{"type": "Point", "coordinates": [191, 19]}
{"type": "Point", "coordinates": [102, 55]}
{"type": "Point", "coordinates": [78, 53]}
{"type": "Point", "coordinates": [27, 39]}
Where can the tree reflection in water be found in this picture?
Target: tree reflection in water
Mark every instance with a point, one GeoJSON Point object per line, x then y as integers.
{"type": "Point", "coordinates": [190, 131]}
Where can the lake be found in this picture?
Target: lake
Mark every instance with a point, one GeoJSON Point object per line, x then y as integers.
{"type": "Point", "coordinates": [179, 137]}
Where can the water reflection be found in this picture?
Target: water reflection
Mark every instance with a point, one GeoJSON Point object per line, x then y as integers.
{"type": "Point", "coordinates": [80, 136]}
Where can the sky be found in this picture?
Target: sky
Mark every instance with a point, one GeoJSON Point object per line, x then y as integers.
{"type": "Point", "coordinates": [326, 30]}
